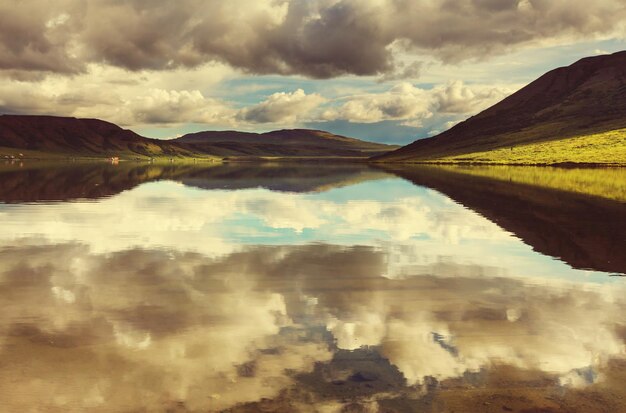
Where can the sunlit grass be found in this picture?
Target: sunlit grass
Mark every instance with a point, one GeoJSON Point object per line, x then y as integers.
{"type": "Point", "coordinates": [600, 148]}
{"type": "Point", "coordinates": [603, 182]}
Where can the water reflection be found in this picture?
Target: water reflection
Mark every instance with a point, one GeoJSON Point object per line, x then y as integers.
{"type": "Point", "coordinates": [377, 296]}
{"type": "Point", "coordinates": [140, 328]}
{"type": "Point", "coordinates": [583, 223]}
{"type": "Point", "coordinates": [42, 182]}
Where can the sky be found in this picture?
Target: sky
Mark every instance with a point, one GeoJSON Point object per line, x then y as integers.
{"type": "Point", "coordinates": [389, 71]}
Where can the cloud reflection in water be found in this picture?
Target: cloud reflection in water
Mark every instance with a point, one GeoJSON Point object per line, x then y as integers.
{"type": "Point", "coordinates": [122, 330]}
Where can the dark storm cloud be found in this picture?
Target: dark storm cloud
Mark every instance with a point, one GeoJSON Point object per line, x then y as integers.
{"type": "Point", "coordinates": [34, 36]}
{"type": "Point", "coordinates": [315, 38]}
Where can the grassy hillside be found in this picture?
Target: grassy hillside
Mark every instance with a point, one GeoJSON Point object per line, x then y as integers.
{"type": "Point", "coordinates": [587, 98]}
{"type": "Point", "coordinates": [608, 148]}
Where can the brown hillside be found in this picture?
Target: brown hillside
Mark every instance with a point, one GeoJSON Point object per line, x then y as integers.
{"type": "Point", "coordinates": [286, 142]}
{"type": "Point", "coordinates": [586, 97]}
{"type": "Point", "coordinates": [79, 137]}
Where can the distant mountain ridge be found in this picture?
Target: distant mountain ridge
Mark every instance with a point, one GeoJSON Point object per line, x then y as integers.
{"type": "Point", "coordinates": [584, 98]}
{"type": "Point", "coordinates": [63, 136]}
{"type": "Point", "coordinates": [284, 142]}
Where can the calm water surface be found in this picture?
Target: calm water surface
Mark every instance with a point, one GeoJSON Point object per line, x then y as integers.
{"type": "Point", "coordinates": [315, 288]}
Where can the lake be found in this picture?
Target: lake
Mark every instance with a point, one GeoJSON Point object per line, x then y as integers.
{"type": "Point", "coordinates": [311, 288]}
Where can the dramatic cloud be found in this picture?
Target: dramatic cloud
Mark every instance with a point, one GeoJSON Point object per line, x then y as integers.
{"type": "Point", "coordinates": [38, 36]}
{"type": "Point", "coordinates": [319, 38]}
{"type": "Point", "coordinates": [164, 69]}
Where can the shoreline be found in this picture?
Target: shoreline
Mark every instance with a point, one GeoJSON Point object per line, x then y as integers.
{"type": "Point", "coordinates": [52, 158]}
{"type": "Point", "coordinates": [564, 164]}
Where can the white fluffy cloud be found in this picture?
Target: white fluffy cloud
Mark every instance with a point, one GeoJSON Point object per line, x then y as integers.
{"type": "Point", "coordinates": [281, 107]}
{"type": "Point", "coordinates": [163, 106]}
{"type": "Point", "coordinates": [456, 97]}
{"type": "Point", "coordinates": [148, 98]}
{"type": "Point", "coordinates": [412, 104]}
{"type": "Point", "coordinates": [171, 98]}
{"type": "Point", "coordinates": [125, 98]}
{"type": "Point", "coordinates": [403, 101]}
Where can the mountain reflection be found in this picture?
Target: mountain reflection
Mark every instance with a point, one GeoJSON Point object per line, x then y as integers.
{"type": "Point", "coordinates": [152, 330]}
{"type": "Point", "coordinates": [587, 232]}
{"type": "Point", "coordinates": [574, 215]}
{"type": "Point", "coordinates": [41, 182]}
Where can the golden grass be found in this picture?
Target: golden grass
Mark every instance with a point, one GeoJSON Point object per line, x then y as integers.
{"type": "Point", "coordinates": [607, 148]}
{"type": "Point", "coordinates": [603, 182]}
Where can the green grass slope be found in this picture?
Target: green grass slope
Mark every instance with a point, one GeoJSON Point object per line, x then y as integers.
{"type": "Point", "coordinates": [586, 99]}
{"type": "Point", "coordinates": [606, 148]}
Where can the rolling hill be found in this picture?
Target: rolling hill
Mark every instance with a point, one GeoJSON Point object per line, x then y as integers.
{"type": "Point", "coordinates": [286, 142]}
{"type": "Point", "coordinates": [51, 136]}
{"type": "Point", "coordinates": [544, 122]}
{"type": "Point", "coordinates": [55, 137]}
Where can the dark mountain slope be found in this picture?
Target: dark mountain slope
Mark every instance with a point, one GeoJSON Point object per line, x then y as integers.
{"type": "Point", "coordinates": [587, 97]}
{"type": "Point", "coordinates": [79, 137]}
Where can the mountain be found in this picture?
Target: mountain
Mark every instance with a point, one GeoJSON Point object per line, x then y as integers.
{"type": "Point", "coordinates": [59, 136]}
{"type": "Point", "coordinates": [286, 142]}
{"type": "Point", "coordinates": [587, 98]}
{"type": "Point", "coordinates": [51, 136]}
